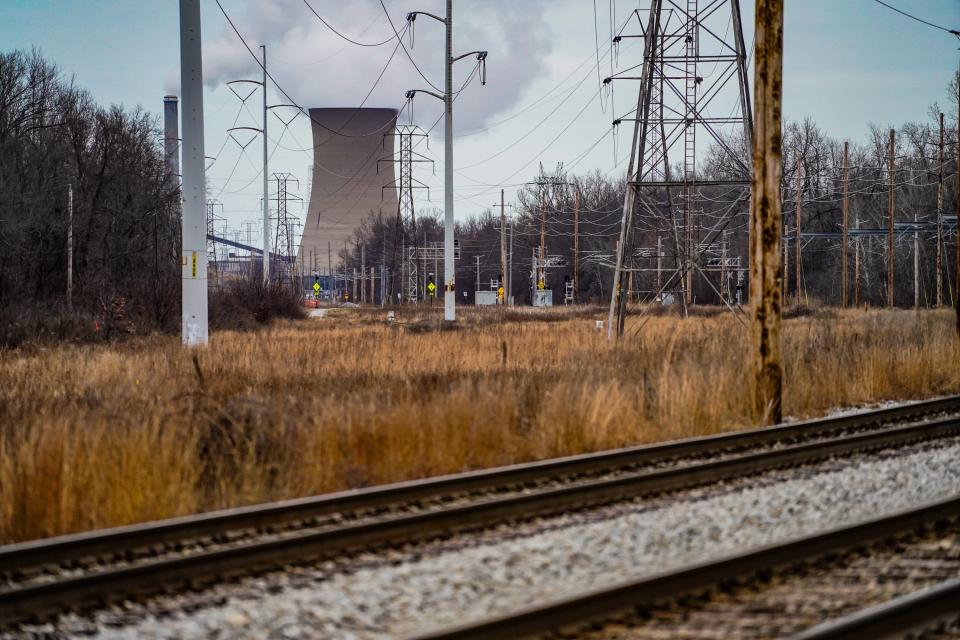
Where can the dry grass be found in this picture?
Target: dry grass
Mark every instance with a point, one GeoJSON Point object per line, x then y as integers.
{"type": "Point", "coordinates": [101, 435]}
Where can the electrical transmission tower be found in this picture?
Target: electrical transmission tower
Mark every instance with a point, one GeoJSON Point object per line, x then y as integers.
{"type": "Point", "coordinates": [285, 223]}
{"type": "Point", "coordinates": [693, 85]}
{"type": "Point", "coordinates": [406, 224]}
{"type": "Point", "coordinates": [212, 219]}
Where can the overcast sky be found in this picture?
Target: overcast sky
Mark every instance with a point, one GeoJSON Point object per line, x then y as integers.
{"type": "Point", "coordinates": [848, 63]}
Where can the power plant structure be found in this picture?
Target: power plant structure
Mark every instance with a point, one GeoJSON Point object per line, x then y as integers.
{"type": "Point", "coordinates": [346, 186]}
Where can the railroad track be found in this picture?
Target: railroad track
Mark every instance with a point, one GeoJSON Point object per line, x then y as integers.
{"type": "Point", "coordinates": [41, 578]}
{"type": "Point", "coordinates": [885, 578]}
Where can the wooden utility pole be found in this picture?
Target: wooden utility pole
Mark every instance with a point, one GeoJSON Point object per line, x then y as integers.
{"type": "Point", "coordinates": [890, 223]}
{"type": "Point", "coordinates": [765, 205]}
{"type": "Point", "coordinates": [845, 247]}
{"type": "Point", "coordinates": [939, 269]}
{"type": "Point", "coordinates": [576, 243]}
{"type": "Point", "coordinates": [916, 264]}
{"type": "Point", "coordinates": [330, 270]}
{"type": "Point", "coordinates": [70, 245]}
{"type": "Point", "coordinates": [373, 297]}
{"type": "Point", "coordinates": [363, 272]}
{"type": "Point", "coordinates": [785, 266]}
{"type": "Point", "coordinates": [799, 277]}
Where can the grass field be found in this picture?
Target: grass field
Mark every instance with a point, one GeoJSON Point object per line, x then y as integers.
{"type": "Point", "coordinates": [102, 435]}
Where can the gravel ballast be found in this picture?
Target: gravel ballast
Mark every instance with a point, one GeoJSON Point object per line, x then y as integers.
{"type": "Point", "coordinates": [394, 593]}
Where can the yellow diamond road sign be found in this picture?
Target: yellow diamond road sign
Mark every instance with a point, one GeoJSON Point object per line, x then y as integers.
{"type": "Point", "coordinates": [316, 288]}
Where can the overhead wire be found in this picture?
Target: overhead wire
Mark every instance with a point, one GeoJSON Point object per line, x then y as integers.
{"type": "Point", "coordinates": [280, 88]}
{"type": "Point", "coordinates": [921, 20]}
{"type": "Point", "coordinates": [348, 39]}
{"type": "Point", "coordinates": [409, 57]}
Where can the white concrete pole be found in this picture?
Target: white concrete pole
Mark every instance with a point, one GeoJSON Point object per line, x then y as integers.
{"type": "Point", "coordinates": [194, 225]}
{"type": "Point", "coordinates": [449, 268]}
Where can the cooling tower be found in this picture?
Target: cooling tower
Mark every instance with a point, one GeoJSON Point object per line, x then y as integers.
{"type": "Point", "coordinates": [346, 186]}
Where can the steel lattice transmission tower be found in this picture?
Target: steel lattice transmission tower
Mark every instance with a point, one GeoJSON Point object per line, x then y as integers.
{"type": "Point", "coordinates": [693, 88]}
{"type": "Point", "coordinates": [406, 224]}
{"type": "Point", "coordinates": [284, 223]}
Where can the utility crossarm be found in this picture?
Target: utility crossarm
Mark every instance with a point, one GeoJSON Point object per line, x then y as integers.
{"type": "Point", "coordinates": [286, 123]}
{"type": "Point", "coordinates": [256, 82]}
{"type": "Point", "coordinates": [481, 55]}
{"type": "Point", "coordinates": [412, 15]}
{"type": "Point", "coordinates": [413, 92]}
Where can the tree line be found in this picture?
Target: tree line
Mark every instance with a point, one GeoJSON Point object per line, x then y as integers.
{"type": "Point", "coordinates": [722, 213]}
{"type": "Point", "coordinates": [55, 138]}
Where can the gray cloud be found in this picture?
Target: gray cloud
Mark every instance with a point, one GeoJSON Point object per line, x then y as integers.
{"type": "Point", "coordinates": [317, 68]}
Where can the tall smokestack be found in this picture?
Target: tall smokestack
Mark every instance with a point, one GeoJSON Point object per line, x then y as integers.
{"type": "Point", "coordinates": [171, 135]}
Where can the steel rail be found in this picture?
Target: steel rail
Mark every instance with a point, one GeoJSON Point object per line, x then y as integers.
{"type": "Point", "coordinates": [39, 599]}
{"type": "Point", "coordinates": [912, 613]}
{"type": "Point", "coordinates": [702, 577]}
{"type": "Point", "coordinates": [118, 540]}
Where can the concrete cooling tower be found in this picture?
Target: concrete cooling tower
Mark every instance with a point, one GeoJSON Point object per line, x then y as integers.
{"type": "Point", "coordinates": [346, 186]}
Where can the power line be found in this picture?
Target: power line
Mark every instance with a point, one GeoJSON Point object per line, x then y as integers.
{"type": "Point", "coordinates": [409, 57]}
{"type": "Point", "coordinates": [350, 40]}
{"type": "Point", "coordinates": [920, 20]}
{"type": "Point", "coordinates": [280, 88]}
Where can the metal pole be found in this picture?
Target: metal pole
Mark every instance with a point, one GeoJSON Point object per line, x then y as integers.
{"type": "Point", "coordinates": [846, 208]}
{"type": "Point", "coordinates": [503, 246]}
{"type": "Point", "coordinates": [723, 267]}
{"type": "Point", "coordinates": [70, 246]}
{"type": "Point", "coordinates": [266, 187]}
{"type": "Point", "coordinates": [576, 243]}
{"type": "Point", "coordinates": [363, 273]}
{"type": "Point", "coordinates": [957, 268]}
{"type": "Point", "coordinates": [659, 267]}
{"type": "Point", "coordinates": [542, 272]}
{"type": "Point", "coordinates": [193, 260]}
{"type": "Point", "coordinates": [765, 197]}
{"type": "Point", "coordinates": [477, 258]}
{"type": "Point", "coordinates": [890, 223]}
{"type": "Point", "coordinates": [330, 270]}
{"type": "Point", "coordinates": [510, 268]}
{"type": "Point", "coordinates": [799, 276]}
{"type": "Point", "coordinates": [939, 269]}
{"type": "Point", "coordinates": [449, 273]}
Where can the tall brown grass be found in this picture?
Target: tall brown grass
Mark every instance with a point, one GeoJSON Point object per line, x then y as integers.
{"type": "Point", "coordinates": [102, 435]}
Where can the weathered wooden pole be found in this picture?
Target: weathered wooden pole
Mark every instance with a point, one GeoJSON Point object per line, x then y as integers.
{"type": "Point", "coordinates": [765, 205]}
{"type": "Point", "coordinates": [846, 224]}
{"type": "Point", "coordinates": [799, 275]}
